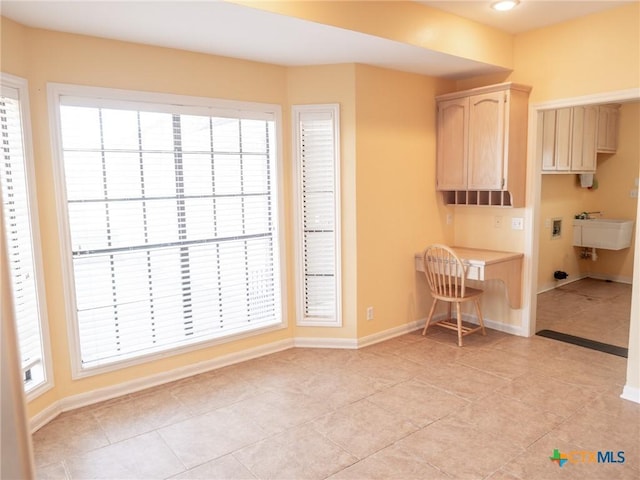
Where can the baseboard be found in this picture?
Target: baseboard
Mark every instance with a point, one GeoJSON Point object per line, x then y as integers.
{"type": "Point", "coordinates": [40, 419]}
{"type": "Point", "coordinates": [612, 278]}
{"type": "Point", "coordinates": [390, 333]}
{"type": "Point", "coordinates": [631, 393]}
{"type": "Point", "coordinates": [325, 342]}
{"type": "Point", "coordinates": [559, 283]}
{"type": "Point", "coordinates": [597, 276]}
{"type": "Point", "coordinates": [125, 388]}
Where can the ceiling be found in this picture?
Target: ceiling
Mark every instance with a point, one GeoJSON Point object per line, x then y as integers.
{"type": "Point", "coordinates": [528, 15]}
{"type": "Point", "coordinates": [227, 29]}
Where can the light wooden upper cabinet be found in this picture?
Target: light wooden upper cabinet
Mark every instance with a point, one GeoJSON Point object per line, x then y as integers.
{"type": "Point", "coordinates": [608, 128]}
{"type": "Point", "coordinates": [567, 139]}
{"type": "Point", "coordinates": [486, 141]}
{"type": "Point", "coordinates": [482, 144]}
{"type": "Point", "coordinates": [452, 141]}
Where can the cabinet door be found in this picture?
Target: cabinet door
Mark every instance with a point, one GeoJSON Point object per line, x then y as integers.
{"type": "Point", "coordinates": [548, 144]}
{"type": "Point", "coordinates": [486, 141]}
{"type": "Point", "coordinates": [451, 156]}
{"type": "Point", "coordinates": [607, 129]}
{"type": "Point", "coordinates": [563, 139]}
{"type": "Point", "coordinates": [584, 133]}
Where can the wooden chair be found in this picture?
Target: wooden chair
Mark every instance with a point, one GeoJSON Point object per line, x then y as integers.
{"type": "Point", "coordinates": [446, 275]}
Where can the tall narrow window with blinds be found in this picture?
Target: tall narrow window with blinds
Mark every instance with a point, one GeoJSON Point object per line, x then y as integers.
{"type": "Point", "coordinates": [20, 227]}
{"type": "Point", "coordinates": [173, 225]}
{"type": "Point", "coordinates": [317, 161]}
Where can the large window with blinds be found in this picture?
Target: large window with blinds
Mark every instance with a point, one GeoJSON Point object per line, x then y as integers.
{"type": "Point", "coordinates": [171, 212]}
{"type": "Point", "coordinates": [317, 162]}
{"type": "Point", "coordinates": [19, 214]}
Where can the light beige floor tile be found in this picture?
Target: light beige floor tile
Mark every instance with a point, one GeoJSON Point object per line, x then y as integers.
{"type": "Point", "coordinates": [430, 352]}
{"type": "Point", "coordinates": [460, 449]}
{"type": "Point", "coordinates": [213, 390]}
{"type": "Point", "coordinates": [499, 363]}
{"type": "Point", "coordinates": [363, 428]}
{"type": "Point", "coordinates": [384, 369]}
{"type": "Point", "coordinates": [69, 434]}
{"type": "Point", "coordinates": [340, 388]}
{"type": "Point", "coordinates": [145, 456]}
{"type": "Point", "coordinates": [295, 454]}
{"type": "Point", "coordinates": [206, 437]}
{"type": "Point", "coordinates": [56, 471]}
{"type": "Point", "coordinates": [503, 475]}
{"type": "Point", "coordinates": [418, 402]}
{"type": "Point", "coordinates": [275, 411]}
{"type": "Point", "coordinates": [509, 418]}
{"type": "Point", "coordinates": [140, 414]}
{"type": "Point", "coordinates": [223, 468]}
{"type": "Point", "coordinates": [582, 373]}
{"type": "Point", "coordinates": [550, 394]}
{"type": "Point", "coordinates": [461, 380]}
{"type": "Point", "coordinates": [389, 464]}
{"type": "Point", "coordinates": [532, 347]}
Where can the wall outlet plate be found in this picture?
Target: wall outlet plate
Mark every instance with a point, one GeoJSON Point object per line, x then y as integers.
{"type": "Point", "coordinates": [369, 313]}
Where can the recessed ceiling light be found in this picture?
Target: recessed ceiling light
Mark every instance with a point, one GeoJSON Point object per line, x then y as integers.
{"type": "Point", "coordinates": [504, 5]}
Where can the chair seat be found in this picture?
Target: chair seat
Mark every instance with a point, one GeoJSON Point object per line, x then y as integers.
{"type": "Point", "coordinates": [469, 294]}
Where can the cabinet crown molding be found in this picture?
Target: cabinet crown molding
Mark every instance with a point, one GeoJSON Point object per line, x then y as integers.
{"type": "Point", "coordinates": [498, 87]}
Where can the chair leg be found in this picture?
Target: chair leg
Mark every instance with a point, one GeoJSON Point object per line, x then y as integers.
{"type": "Point", "coordinates": [477, 303]}
{"type": "Point", "coordinates": [459, 319]}
{"type": "Point", "coordinates": [433, 309]}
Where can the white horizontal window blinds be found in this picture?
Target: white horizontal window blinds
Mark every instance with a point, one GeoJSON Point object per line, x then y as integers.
{"type": "Point", "coordinates": [318, 212]}
{"type": "Point", "coordinates": [19, 239]}
{"type": "Point", "coordinates": [173, 226]}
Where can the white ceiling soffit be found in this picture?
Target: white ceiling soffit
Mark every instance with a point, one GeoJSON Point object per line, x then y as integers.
{"type": "Point", "coordinates": [528, 15]}
{"type": "Point", "coordinates": [231, 30]}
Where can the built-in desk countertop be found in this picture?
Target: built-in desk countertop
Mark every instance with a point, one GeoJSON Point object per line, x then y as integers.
{"type": "Point", "coordinates": [486, 265]}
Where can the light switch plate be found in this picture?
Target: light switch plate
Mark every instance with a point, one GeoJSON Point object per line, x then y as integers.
{"type": "Point", "coordinates": [517, 223]}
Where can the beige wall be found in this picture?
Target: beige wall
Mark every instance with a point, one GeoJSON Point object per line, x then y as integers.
{"type": "Point", "coordinates": [592, 54]}
{"type": "Point", "coordinates": [398, 210]}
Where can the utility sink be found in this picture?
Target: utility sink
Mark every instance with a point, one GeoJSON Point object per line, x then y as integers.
{"type": "Point", "coordinates": [606, 233]}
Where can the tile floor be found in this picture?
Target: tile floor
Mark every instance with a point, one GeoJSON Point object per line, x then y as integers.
{"type": "Point", "coordinates": [408, 408]}
{"type": "Point", "coordinates": [589, 308]}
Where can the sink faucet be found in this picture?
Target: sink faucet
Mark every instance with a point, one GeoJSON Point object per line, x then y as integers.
{"type": "Point", "coordinates": [588, 215]}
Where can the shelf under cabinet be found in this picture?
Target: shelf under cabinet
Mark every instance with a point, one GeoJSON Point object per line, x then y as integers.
{"type": "Point", "coordinates": [480, 198]}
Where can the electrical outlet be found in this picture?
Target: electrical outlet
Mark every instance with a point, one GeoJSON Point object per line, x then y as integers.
{"type": "Point", "coordinates": [449, 218]}
{"type": "Point", "coordinates": [369, 313]}
{"type": "Point", "coordinates": [497, 221]}
{"type": "Point", "coordinates": [517, 223]}
{"type": "Point", "coordinates": [633, 193]}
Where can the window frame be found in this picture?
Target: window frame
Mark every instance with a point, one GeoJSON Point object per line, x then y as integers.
{"type": "Point", "coordinates": [169, 103]}
{"type": "Point", "coordinates": [303, 320]}
{"type": "Point", "coordinates": [22, 86]}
